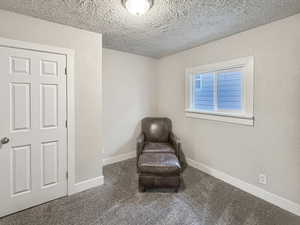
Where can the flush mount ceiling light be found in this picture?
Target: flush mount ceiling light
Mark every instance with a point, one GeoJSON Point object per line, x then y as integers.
{"type": "Point", "coordinates": [137, 7]}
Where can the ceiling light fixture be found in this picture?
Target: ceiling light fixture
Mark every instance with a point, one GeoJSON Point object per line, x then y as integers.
{"type": "Point", "coordinates": [137, 7]}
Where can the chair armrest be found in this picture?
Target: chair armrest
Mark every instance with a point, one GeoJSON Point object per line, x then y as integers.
{"type": "Point", "coordinates": [176, 143]}
{"type": "Point", "coordinates": [140, 144]}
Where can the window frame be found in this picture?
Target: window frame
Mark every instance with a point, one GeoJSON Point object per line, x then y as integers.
{"type": "Point", "coordinates": [246, 65]}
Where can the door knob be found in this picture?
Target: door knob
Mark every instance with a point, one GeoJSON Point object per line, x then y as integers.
{"type": "Point", "coordinates": [4, 140]}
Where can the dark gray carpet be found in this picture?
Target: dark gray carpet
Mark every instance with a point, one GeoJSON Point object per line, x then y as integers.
{"type": "Point", "coordinates": [202, 200]}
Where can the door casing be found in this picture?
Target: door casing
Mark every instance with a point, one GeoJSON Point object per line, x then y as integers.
{"type": "Point", "coordinates": [70, 54]}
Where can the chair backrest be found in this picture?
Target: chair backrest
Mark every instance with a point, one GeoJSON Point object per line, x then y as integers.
{"type": "Point", "coordinates": [156, 129]}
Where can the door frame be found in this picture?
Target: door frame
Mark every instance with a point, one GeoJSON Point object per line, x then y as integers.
{"type": "Point", "coordinates": [70, 98]}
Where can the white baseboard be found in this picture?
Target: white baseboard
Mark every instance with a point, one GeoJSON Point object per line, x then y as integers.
{"type": "Point", "coordinates": [87, 184]}
{"type": "Point", "coordinates": [118, 158]}
{"type": "Point", "coordinates": [250, 188]}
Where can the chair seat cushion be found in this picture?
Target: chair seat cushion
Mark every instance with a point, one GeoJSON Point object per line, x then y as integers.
{"type": "Point", "coordinates": [163, 164]}
{"type": "Point", "coordinates": [158, 147]}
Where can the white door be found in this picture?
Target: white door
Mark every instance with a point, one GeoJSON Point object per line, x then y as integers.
{"type": "Point", "coordinates": [33, 146]}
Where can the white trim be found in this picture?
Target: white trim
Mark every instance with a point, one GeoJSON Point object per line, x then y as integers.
{"type": "Point", "coordinates": [221, 117]}
{"type": "Point", "coordinates": [245, 117]}
{"type": "Point", "coordinates": [87, 184]}
{"type": "Point", "coordinates": [71, 120]}
{"type": "Point", "coordinates": [119, 158]}
{"type": "Point", "coordinates": [70, 55]}
{"type": "Point", "coordinates": [250, 188]}
{"type": "Point", "coordinates": [230, 64]}
{"type": "Point", "coordinates": [33, 46]}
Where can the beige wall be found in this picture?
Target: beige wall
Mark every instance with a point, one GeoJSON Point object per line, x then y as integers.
{"type": "Point", "coordinates": [134, 89]}
{"type": "Point", "coordinates": [129, 94]}
{"type": "Point", "coordinates": [88, 50]}
{"type": "Point", "coordinates": [272, 146]}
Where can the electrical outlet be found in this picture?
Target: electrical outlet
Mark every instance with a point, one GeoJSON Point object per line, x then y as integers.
{"type": "Point", "coordinates": [262, 179]}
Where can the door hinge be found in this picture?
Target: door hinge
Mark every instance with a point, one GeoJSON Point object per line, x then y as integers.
{"type": "Point", "coordinates": [66, 71]}
{"type": "Point", "coordinates": [67, 175]}
{"type": "Point", "coordinates": [66, 124]}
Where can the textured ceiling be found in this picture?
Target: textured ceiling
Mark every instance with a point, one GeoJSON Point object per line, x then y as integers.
{"type": "Point", "coordinates": [170, 26]}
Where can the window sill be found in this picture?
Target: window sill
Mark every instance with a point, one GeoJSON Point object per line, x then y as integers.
{"type": "Point", "coordinates": [223, 117]}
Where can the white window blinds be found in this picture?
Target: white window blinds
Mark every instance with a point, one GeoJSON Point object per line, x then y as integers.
{"type": "Point", "coordinates": [217, 91]}
{"type": "Point", "coordinates": [221, 91]}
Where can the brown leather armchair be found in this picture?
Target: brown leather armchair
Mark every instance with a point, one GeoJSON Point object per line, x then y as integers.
{"type": "Point", "coordinates": [158, 152]}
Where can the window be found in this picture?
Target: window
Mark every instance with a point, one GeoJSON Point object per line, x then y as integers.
{"type": "Point", "coordinates": [222, 91]}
